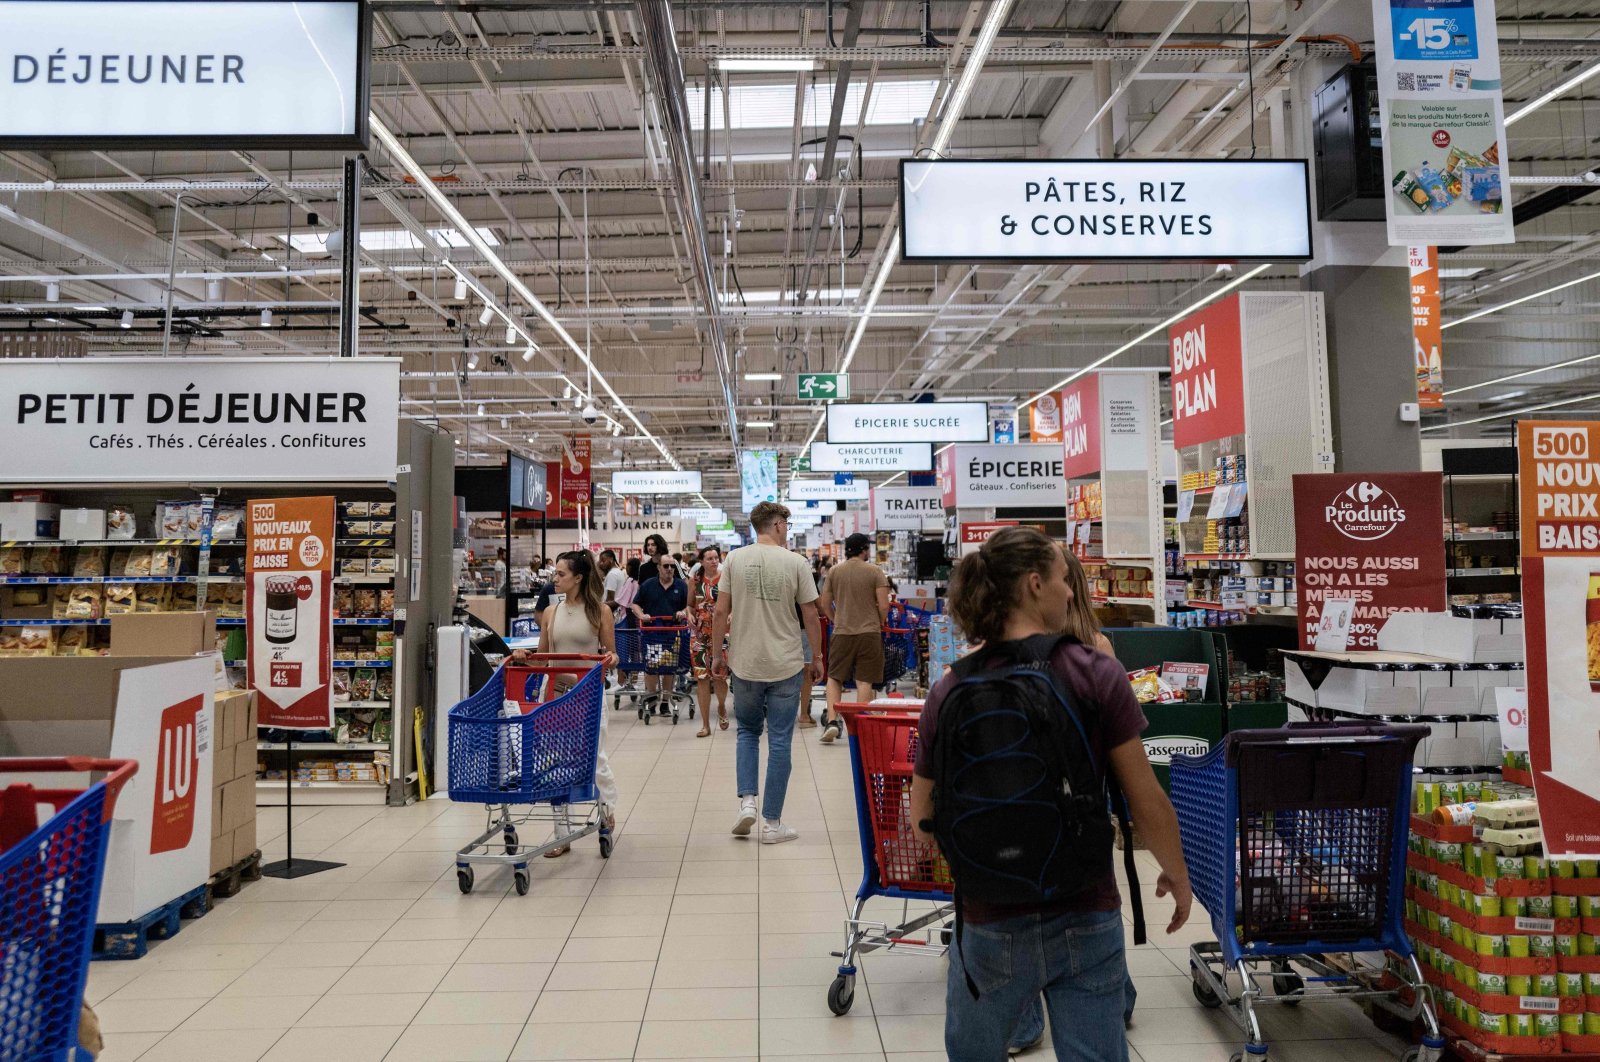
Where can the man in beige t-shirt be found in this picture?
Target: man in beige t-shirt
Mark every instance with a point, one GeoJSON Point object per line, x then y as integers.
{"type": "Point", "coordinates": [856, 599]}
{"type": "Point", "coordinates": [761, 585]}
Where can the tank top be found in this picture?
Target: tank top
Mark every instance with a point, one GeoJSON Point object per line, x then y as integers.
{"type": "Point", "coordinates": [570, 632]}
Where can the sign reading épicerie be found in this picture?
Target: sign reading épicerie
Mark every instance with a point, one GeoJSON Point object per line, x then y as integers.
{"type": "Point", "coordinates": [236, 420]}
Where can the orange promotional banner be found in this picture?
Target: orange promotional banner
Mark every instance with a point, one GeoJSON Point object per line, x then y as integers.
{"type": "Point", "coordinates": [289, 610]}
{"type": "Point", "coordinates": [1425, 325]}
{"type": "Point", "coordinates": [1044, 418]}
{"type": "Point", "coordinates": [1559, 498]}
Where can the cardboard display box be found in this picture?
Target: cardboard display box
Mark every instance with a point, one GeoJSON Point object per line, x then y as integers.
{"type": "Point", "coordinates": [1439, 634]}
{"type": "Point", "coordinates": [235, 780]}
{"type": "Point", "coordinates": [163, 633]}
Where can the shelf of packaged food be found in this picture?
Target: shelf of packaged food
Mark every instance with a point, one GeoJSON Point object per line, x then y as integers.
{"type": "Point", "coordinates": [352, 622]}
{"type": "Point", "coordinates": [1193, 557]}
{"type": "Point", "coordinates": [55, 623]}
{"type": "Point", "coordinates": [1461, 573]}
{"type": "Point", "coordinates": [103, 542]}
{"type": "Point", "coordinates": [1483, 536]}
{"type": "Point", "coordinates": [270, 792]}
{"type": "Point", "coordinates": [83, 580]}
{"type": "Point", "coordinates": [362, 543]}
{"type": "Point", "coordinates": [1197, 603]}
{"type": "Point", "coordinates": [336, 663]}
{"type": "Point", "coordinates": [361, 704]}
{"type": "Point", "coordinates": [338, 580]}
{"type": "Point", "coordinates": [1117, 600]}
{"type": "Point", "coordinates": [325, 746]}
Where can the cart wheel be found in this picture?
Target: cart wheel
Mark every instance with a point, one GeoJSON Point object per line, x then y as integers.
{"type": "Point", "coordinates": [1203, 991]}
{"type": "Point", "coordinates": [511, 842]}
{"type": "Point", "coordinates": [946, 935]}
{"type": "Point", "coordinates": [605, 847]}
{"type": "Point", "coordinates": [1411, 1054]}
{"type": "Point", "coordinates": [674, 718]}
{"type": "Point", "coordinates": [521, 878]}
{"type": "Point", "coordinates": [464, 879]}
{"type": "Point", "coordinates": [841, 994]}
{"type": "Point", "coordinates": [691, 711]}
{"type": "Point", "coordinates": [1287, 985]}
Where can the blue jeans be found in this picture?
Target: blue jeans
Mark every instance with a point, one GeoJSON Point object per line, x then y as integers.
{"type": "Point", "coordinates": [772, 705]}
{"type": "Point", "coordinates": [1030, 1027]}
{"type": "Point", "coordinates": [1075, 960]}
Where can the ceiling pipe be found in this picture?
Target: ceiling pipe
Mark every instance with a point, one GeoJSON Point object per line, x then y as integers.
{"type": "Point", "coordinates": [852, 26]}
{"type": "Point", "coordinates": [665, 67]}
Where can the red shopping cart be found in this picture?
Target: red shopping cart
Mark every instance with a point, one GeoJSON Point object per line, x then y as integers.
{"type": "Point", "coordinates": [50, 875]}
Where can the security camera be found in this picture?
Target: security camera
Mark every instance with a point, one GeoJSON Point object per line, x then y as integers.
{"type": "Point", "coordinates": [590, 414]}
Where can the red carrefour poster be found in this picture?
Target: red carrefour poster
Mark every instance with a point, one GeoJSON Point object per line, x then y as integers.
{"type": "Point", "coordinates": [289, 610]}
{"type": "Point", "coordinates": [574, 477]}
{"type": "Point", "coordinates": [946, 462]}
{"type": "Point", "coordinates": [1080, 426]}
{"type": "Point", "coordinates": [1373, 537]}
{"type": "Point", "coordinates": [1207, 374]}
{"type": "Point", "coordinates": [1560, 505]}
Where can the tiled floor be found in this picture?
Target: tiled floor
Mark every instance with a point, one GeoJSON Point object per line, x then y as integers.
{"type": "Point", "coordinates": [687, 943]}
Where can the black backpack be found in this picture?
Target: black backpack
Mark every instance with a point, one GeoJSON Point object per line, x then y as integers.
{"type": "Point", "coordinates": [1020, 800]}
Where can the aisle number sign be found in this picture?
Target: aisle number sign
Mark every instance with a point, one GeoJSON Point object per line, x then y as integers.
{"type": "Point", "coordinates": [1207, 349]}
{"type": "Point", "coordinates": [289, 610]}
{"type": "Point", "coordinates": [822, 386]}
{"type": "Point", "coordinates": [1559, 488]}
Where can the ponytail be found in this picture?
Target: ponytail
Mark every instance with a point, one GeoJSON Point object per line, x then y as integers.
{"type": "Point", "coordinates": [984, 584]}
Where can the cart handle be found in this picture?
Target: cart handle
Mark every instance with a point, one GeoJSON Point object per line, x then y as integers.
{"type": "Point", "coordinates": [117, 772]}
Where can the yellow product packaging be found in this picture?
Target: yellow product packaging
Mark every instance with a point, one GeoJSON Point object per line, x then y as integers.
{"type": "Point", "coordinates": [1588, 944]}
{"type": "Point", "coordinates": [1589, 906]}
{"type": "Point", "coordinates": [1535, 867]}
{"type": "Point", "coordinates": [1571, 1024]}
{"type": "Point", "coordinates": [1569, 985]}
{"type": "Point", "coordinates": [1519, 1024]}
{"type": "Point", "coordinates": [1546, 985]}
{"type": "Point", "coordinates": [1542, 945]}
{"type": "Point", "coordinates": [1472, 859]}
{"type": "Point", "coordinates": [1517, 946]}
{"type": "Point", "coordinates": [1566, 944]}
{"type": "Point", "coordinates": [1491, 945]}
{"type": "Point", "coordinates": [1492, 1023]}
{"type": "Point", "coordinates": [1546, 1024]}
{"type": "Point", "coordinates": [1564, 906]}
{"type": "Point", "coordinates": [1514, 906]}
{"type": "Point", "coordinates": [1538, 906]}
{"type": "Point", "coordinates": [1588, 868]}
{"type": "Point", "coordinates": [1518, 985]}
{"type": "Point", "coordinates": [1486, 906]}
{"type": "Point", "coordinates": [1591, 1023]}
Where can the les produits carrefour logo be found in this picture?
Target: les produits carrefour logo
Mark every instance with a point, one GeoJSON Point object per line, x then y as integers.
{"type": "Point", "coordinates": [1365, 512]}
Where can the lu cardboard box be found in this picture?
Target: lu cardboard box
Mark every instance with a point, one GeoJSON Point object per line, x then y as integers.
{"type": "Point", "coordinates": [163, 633]}
{"type": "Point", "coordinates": [155, 710]}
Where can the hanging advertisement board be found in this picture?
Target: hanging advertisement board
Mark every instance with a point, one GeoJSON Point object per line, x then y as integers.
{"type": "Point", "coordinates": [876, 422]}
{"type": "Point", "coordinates": [907, 509]}
{"type": "Point", "coordinates": [289, 610]}
{"type": "Point", "coordinates": [1207, 356]}
{"type": "Point", "coordinates": [1090, 210]}
{"type": "Point", "coordinates": [184, 74]}
{"type": "Point", "coordinates": [1426, 334]}
{"type": "Point", "coordinates": [1044, 418]}
{"type": "Point", "coordinates": [670, 482]}
{"type": "Point", "coordinates": [1443, 122]}
{"type": "Point", "coordinates": [528, 482]}
{"type": "Point", "coordinates": [1080, 426]}
{"type": "Point", "coordinates": [1003, 422]}
{"type": "Point", "coordinates": [1031, 474]}
{"type": "Point", "coordinates": [945, 476]}
{"type": "Point", "coordinates": [1559, 499]}
{"type": "Point", "coordinates": [870, 457]}
{"type": "Point", "coordinates": [233, 420]}
{"type": "Point", "coordinates": [575, 480]}
{"type": "Point", "coordinates": [758, 478]}
{"type": "Point", "coordinates": [1371, 538]}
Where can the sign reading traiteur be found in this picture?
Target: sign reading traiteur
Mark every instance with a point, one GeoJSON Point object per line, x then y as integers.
{"type": "Point", "coordinates": [1559, 498]}
{"type": "Point", "coordinates": [1371, 538]}
{"type": "Point", "coordinates": [289, 610]}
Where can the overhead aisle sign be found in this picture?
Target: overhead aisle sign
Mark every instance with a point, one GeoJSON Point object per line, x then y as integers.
{"type": "Point", "coordinates": [811, 490]}
{"type": "Point", "coordinates": [669, 482]}
{"type": "Point", "coordinates": [879, 422]}
{"type": "Point", "coordinates": [907, 509]}
{"type": "Point", "coordinates": [1443, 122]}
{"type": "Point", "coordinates": [869, 457]}
{"type": "Point", "coordinates": [989, 476]}
{"type": "Point", "coordinates": [1207, 350]}
{"type": "Point", "coordinates": [1090, 210]}
{"type": "Point", "coordinates": [184, 74]}
{"type": "Point", "coordinates": [1559, 489]}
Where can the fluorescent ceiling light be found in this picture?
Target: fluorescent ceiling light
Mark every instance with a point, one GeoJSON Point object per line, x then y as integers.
{"type": "Point", "coordinates": [821, 295]}
{"type": "Point", "coordinates": [1569, 363]}
{"type": "Point", "coordinates": [92, 309]}
{"type": "Point", "coordinates": [746, 64]}
{"type": "Point", "coordinates": [1513, 412]}
{"type": "Point", "coordinates": [759, 424]}
{"type": "Point", "coordinates": [390, 240]}
{"type": "Point", "coordinates": [772, 106]}
{"type": "Point", "coordinates": [755, 377]}
{"type": "Point", "coordinates": [1518, 302]}
{"type": "Point", "coordinates": [1566, 86]}
{"type": "Point", "coordinates": [1459, 272]}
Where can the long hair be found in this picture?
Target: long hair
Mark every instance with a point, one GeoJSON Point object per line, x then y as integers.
{"type": "Point", "coordinates": [582, 565]}
{"type": "Point", "coordinates": [1081, 623]}
{"type": "Point", "coordinates": [983, 586]}
{"type": "Point", "coordinates": [655, 546]}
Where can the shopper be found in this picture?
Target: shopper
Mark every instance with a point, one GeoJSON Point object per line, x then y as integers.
{"type": "Point", "coordinates": [581, 625]}
{"type": "Point", "coordinates": [855, 596]}
{"type": "Point", "coordinates": [655, 547]}
{"type": "Point", "coordinates": [612, 574]}
{"type": "Point", "coordinates": [661, 602]}
{"type": "Point", "coordinates": [1071, 949]}
{"type": "Point", "coordinates": [500, 572]}
{"type": "Point", "coordinates": [625, 596]}
{"type": "Point", "coordinates": [762, 584]}
{"type": "Point", "coordinates": [705, 586]}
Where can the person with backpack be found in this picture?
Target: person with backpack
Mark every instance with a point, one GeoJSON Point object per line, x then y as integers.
{"type": "Point", "coordinates": [1021, 747]}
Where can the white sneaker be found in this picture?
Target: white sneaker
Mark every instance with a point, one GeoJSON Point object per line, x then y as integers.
{"type": "Point", "coordinates": [747, 818]}
{"type": "Point", "coordinates": [777, 833]}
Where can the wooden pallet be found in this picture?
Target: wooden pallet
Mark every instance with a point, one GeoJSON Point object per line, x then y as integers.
{"type": "Point", "coordinates": [131, 940]}
{"type": "Point", "coordinates": [227, 882]}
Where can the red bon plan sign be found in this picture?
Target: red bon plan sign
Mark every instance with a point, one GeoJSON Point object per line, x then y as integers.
{"type": "Point", "coordinates": [1559, 490]}
{"type": "Point", "coordinates": [1207, 352]}
{"type": "Point", "coordinates": [1080, 426]}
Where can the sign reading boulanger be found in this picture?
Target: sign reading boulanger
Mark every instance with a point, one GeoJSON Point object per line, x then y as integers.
{"type": "Point", "coordinates": [1030, 474]}
{"type": "Point", "coordinates": [234, 420]}
{"type": "Point", "coordinates": [1371, 538]}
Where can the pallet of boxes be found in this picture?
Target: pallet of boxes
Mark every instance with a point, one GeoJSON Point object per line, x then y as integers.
{"type": "Point", "coordinates": [234, 855]}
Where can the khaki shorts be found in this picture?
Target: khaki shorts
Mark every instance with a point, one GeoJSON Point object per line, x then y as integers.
{"type": "Point", "coordinates": [857, 657]}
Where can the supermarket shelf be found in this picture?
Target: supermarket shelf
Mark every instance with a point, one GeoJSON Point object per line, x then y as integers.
{"type": "Point", "coordinates": [363, 663]}
{"type": "Point", "coordinates": [1115, 600]}
{"type": "Point", "coordinates": [84, 580]}
{"type": "Point", "coordinates": [1483, 536]}
{"type": "Point", "coordinates": [1192, 557]}
{"type": "Point", "coordinates": [55, 623]}
{"type": "Point", "coordinates": [362, 621]}
{"type": "Point", "coordinates": [362, 543]}
{"type": "Point", "coordinates": [361, 704]}
{"type": "Point", "coordinates": [1485, 573]}
{"type": "Point", "coordinates": [338, 580]}
{"type": "Point", "coordinates": [270, 793]}
{"type": "Point", "coordinates": [1217, 605]}
{"type": "Point", "coordinates": [104, 542]}
{"type": "Point", "coordinates": [325, 746]}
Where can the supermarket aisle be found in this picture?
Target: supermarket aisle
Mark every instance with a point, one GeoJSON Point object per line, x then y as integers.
{"type": "Point", "coordinates": [687, 943]}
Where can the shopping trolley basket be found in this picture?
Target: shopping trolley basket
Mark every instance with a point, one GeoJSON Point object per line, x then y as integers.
{"type": "Point", "coordinates": [895, 863]}
{"type": "Point", "coordinates": [1295, 841]}
{"type": "Point", "coordinates": [522, 741]}
{"type": "Point", "coordinates": [49, 895]}
{"type": "Point", "coordinates": [658, 647]}
{"type": "Point", "coordinates": [899, 653]}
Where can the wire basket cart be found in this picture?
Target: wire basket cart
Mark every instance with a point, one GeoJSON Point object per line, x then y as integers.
{"type": "Point", "coordinates": [899, 653]}
{"type": "Point", "coordinates": [658, 648]}
{"type": "Point", "coordinates": [895, 863]}
{"type": "Point", "coordinates": [529, 737]}
{"type": "Point", "coordinates": [1295, 840]}
{"type": "Point", "coordinates": [50, 877]}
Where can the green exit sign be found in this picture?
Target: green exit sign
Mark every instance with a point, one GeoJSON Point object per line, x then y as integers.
{"type": "Point", "coordinates": [800, 464]}
{"type": "Point", "coordinates": [822, 386]}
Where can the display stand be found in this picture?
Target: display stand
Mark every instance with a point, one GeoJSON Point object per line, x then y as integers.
{"type": "Point", "coordinates": [289, 867]}
{"type": "Point", "coordinates": [1482, 544]}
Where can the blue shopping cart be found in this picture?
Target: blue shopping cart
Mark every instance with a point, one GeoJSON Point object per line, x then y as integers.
{"type": "Point", "coordinates": [49, 896]}
{"type": "Point", "coordinates": [895, 863]}
{"type": "Point", "coordinates": [529, 737]}
{"type": "Point", "coordinates": [1295, 840]}
{"type": "Point", "coordinates": [659, 648]}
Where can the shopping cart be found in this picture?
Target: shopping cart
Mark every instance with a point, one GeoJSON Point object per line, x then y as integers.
{"type": "Point", "coordinates": [899, 653]}
{"type": "Point", "coordinates": [658, 647]}
{"type": "Point", "coordinates": [518, 741]}
{"type": "Point", "coordinates": [895, 864]}
{"type": "Point", "coordinates": [1295, 841]}
{"type": "Point", "coordinates": [49, 896]}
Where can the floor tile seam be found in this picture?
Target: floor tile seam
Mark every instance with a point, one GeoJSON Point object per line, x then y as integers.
{"type": "Point", "coordinates": [151, 1049]}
